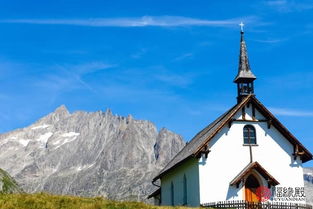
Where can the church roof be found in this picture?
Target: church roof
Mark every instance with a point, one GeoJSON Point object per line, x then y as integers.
{"type": "Point", "coordinates": [254, 166]}
{"type": "Point", "coordinates": [155, 193]}
{"type": "Point", "coordinates": [244, 70]}
{"type": "Point", "coordinates": [199, 142]}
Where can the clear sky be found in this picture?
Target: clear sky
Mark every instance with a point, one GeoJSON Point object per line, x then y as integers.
{"type": "Point", "coordinates": [170, 62]}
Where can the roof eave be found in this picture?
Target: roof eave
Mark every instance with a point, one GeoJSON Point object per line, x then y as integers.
{"type": "Point", "coordinates": [254, 166]}
{"type": "Point", "coordinates": [155, 193]}
{"type": "Point", "coordinates": [160, 175]}
{"type": "Point", "coordinates": [290, 137]}
{"type": "Point", "coordinates": [240, 79]}
{"type": "Point", "coordinates": [229, 117]}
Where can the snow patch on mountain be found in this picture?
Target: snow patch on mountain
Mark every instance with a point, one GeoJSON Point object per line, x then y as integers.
{"type": "Point", "coordinates": [44, 138]}
{"type": "Point", "coordinates": [65, 138]}
{"type": "Point", "coordinates": [24, 142]}
{"type": "Point", "coordinates": [70, 134]}
{"type": "Point", "coordinates": [79, 168]}
{"type": "Point", "coordinates": [40, 127]}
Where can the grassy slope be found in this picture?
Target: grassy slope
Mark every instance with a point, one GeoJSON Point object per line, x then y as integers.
{"type": "Point", "coordinates": [48, 201]}
{"type": "Point", "coordinates": [9, 184]}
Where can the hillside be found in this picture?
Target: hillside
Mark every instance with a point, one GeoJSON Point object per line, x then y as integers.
{"type": "Point", "coordinates": [8, 184]}
{"type": "Point", "coordinates": [47, 201]}
{"type": "Point", "coordinates": [88, 154]}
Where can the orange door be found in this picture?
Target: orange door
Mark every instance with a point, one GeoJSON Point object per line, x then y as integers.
{"type": "Point", "coordinates": [251, 195]}
{"type": "Point", "coordinates": [251, 186]}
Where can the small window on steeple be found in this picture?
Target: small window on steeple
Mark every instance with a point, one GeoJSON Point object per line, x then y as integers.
{"type": "Point", "coordinates": [249, 134]}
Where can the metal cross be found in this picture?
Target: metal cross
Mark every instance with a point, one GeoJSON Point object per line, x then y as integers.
{"type": "Point", "coordinates": [241, 26]}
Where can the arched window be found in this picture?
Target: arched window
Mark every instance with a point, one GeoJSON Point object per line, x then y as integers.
{"type": "Point", "coordinates": [249, 135]}
{"type": "Point", "coordinates": [172, 194]}
{"type": "Point", "coordinates": [185, 190]}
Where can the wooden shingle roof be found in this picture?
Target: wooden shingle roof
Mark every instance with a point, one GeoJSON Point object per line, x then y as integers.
{"type": "Point", "coordinates": [244, 70]}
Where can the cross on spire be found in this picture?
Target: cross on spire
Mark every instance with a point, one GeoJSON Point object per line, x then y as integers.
{"type": "Point", "coordinates": [241, 26]}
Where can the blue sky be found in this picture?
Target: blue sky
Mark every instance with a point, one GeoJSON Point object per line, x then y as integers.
{"type": "Point", "coordinates": [170, 62]}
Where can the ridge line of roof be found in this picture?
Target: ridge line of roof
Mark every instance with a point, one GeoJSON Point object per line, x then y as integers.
{"type": "Point", "coordinates": [228, 115]}
{"type": "Point", "coordinates": [280, 125]}
{"type": "Point", "coordinates": [250, 166]}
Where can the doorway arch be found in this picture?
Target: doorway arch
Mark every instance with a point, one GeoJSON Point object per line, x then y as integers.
{"type": "Point", "coordinates": [251, 186]}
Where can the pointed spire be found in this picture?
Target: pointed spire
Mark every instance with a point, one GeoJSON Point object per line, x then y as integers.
{"type": "Point", "coordinates": [244, 70]}
{"type": "Point", "coordinates": [245, 77]}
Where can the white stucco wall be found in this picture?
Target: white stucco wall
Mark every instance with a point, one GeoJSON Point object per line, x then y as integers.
{"type": "Point", "coordinates": [228, 157]}
{"type": "Point", "coordinates": [191, 170]}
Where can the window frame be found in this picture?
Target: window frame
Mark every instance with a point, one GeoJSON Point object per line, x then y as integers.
{"type": "Point", "coordinates": [253, 139]}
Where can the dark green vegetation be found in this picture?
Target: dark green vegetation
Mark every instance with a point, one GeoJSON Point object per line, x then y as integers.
{"type": "Point", "coordinates": [48, 201]}
{"type": "Point", "coordinates": [7, 184]}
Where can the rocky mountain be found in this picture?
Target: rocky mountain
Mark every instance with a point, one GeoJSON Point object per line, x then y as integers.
{"type": "Point", "coordinates": [308, 184]}
{"type": "Point", "coordinates": [88, 154]}
{"type": "Point", "coordinates": [7, 184]}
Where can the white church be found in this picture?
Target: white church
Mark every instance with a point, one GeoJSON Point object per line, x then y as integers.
{"type": "Point", "coordinates": [245, 155]}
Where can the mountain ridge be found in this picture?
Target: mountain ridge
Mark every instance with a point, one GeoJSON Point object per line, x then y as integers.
{"type": "Point", "coordinates": [88, 154]}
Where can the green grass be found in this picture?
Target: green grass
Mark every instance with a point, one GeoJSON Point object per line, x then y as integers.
{"type": "Point", "coordinates": [49, 201]}
{"type": "Point", "coordinates": [9, 184]}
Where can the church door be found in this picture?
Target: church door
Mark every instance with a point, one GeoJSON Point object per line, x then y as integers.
{"type": "Point", "coordinates": [251, 186]}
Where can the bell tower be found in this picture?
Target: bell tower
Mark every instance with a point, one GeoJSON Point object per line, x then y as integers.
{"type": "Point", "coordinates": [245, 77]}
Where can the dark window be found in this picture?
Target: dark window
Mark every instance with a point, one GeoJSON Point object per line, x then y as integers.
{"type": "Point", "coordinates": [185, 190]}
{"type": "Point", "coordinates": [172, 193]}
{"type": "Point", "coordinates": [249, 135]}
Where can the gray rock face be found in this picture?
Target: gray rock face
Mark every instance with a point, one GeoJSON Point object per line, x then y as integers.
{"type": "Point", "coordinates": [88, 154]}
{"type": "Point", "coordinates": [308, 184]}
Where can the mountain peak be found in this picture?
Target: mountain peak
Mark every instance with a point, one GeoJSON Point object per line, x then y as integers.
{"type": "Point", "coordinates": [108, 111]}
{"type": "Point", "coordinates": [59, 113]}
{"type": "Point", "coordinates": [61, 110]}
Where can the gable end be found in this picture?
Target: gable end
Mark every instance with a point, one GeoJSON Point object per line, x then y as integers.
{"type": "Point", "coordinates": [299, 149]}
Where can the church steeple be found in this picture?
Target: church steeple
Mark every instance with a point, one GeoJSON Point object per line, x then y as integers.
{"type": "Point", "coordinates": [245, 77]}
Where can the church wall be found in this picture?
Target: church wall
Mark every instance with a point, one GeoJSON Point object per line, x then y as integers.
{"type": "Point", "coordinates": [190, 169]}
{"type": "Point", "coordinates": [228, 157]}
{"type": "Point", "coordinates": [275, 154]}
{"type": "Point", "coordinates": [224, 162]}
